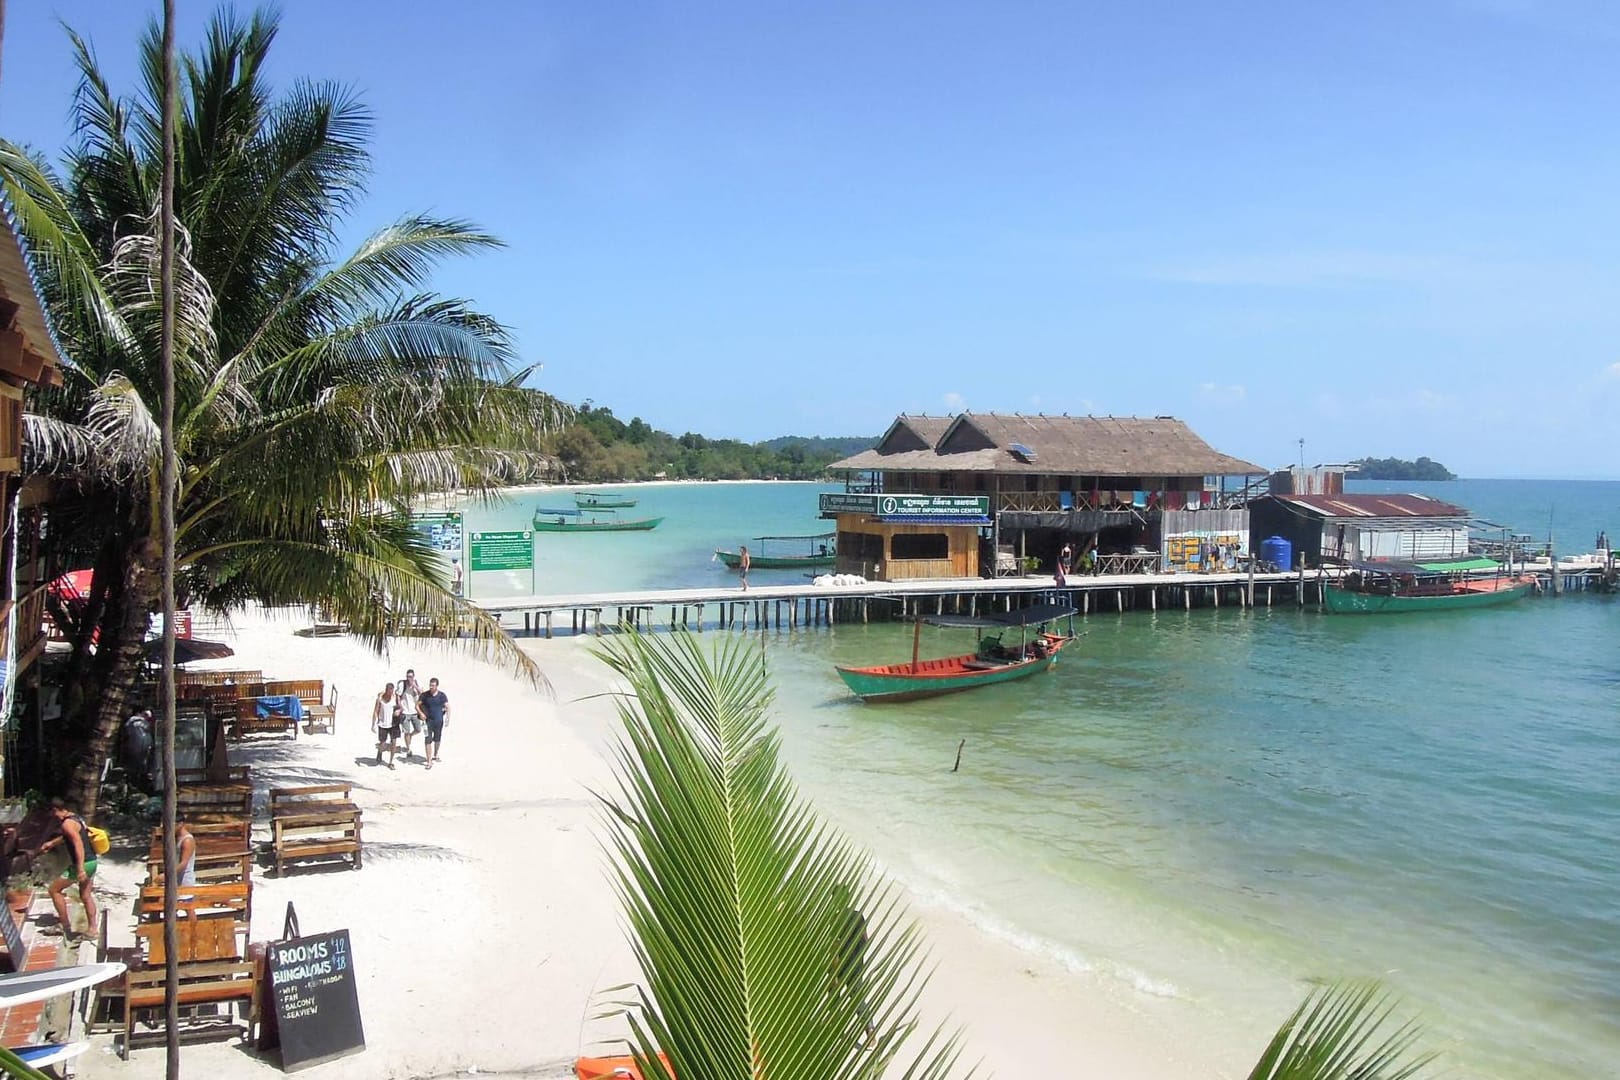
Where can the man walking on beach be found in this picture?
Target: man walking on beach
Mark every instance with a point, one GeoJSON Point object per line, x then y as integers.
{"type": "Point", "coordinates": [411, 723]}
{"type": "Point", "coordinates": [81, 869]}
{"type": "Point", "coordinates": [434, 705]}
{"type": "Point", "coordinates": [742, 564]}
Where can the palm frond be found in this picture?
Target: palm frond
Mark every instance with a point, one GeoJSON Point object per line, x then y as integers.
{"type": "Point", "coordinates": [741, 903]}
{"type": "Point", "coordinates": [53, 445]}
{"type": "Point", "coordinates": [1331, 1036]}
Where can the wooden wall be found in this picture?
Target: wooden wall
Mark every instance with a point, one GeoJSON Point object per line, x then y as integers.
{"type": "Point", "coordinates": [962, 561]}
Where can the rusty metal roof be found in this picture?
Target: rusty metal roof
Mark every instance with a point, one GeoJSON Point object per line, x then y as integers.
{"type": "Point", "coordinates": [1364, 505]}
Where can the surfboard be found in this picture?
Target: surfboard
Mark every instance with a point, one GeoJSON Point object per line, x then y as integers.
{"type": "Point", "coordinates": [49, 1053]}
{"type": "Point", "coordinates": [26, 986]}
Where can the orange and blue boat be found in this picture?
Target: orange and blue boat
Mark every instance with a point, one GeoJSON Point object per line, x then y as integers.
{"type": "Point", "coordinates": [996, 660]}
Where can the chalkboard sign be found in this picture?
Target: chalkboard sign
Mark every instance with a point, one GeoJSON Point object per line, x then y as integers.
{"type": "Point", "coordinates": [312, 992]}
{"type": "Point", "coordinates": [16, 951]}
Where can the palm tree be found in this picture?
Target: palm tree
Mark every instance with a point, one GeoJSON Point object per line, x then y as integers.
{"type": "Point", "coordinates": [738, 901]}
{"type": "Point", "coordinates": [315, 397]}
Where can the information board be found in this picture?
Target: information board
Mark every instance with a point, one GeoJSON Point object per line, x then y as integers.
{"type": "Point", "coordinates": [502, 551]}
{"type": "Point", "coordinates": [442, 530]}
{"type": "Point", "coordinates": [943, 508]}
{"type": "Point", "coordinates": [312, 991]}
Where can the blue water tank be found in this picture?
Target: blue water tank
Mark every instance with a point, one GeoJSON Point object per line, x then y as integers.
{"type": "Point", "coordinates": [1278, 551]}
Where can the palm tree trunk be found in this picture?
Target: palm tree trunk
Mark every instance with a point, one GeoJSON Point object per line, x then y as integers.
{"type": "Point", "coordinates": [118, 660]}
{"type": "Point", "coordinates": [171, 882]}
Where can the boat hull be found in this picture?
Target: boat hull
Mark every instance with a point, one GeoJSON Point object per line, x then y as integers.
{"type": "Point", "coordinates": [948, 675]}
{"type": "Point", "coordinates": [553, 525]}
{"type": "Point", "coordinates": [587, 502]}
{"type": "Point", "coordinates": [1342, 601]}
{"type": "Point", "coordinates": [776, 562]}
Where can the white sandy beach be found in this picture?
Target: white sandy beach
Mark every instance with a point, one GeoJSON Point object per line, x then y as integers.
{"type": "Point", "coordinates": [484, 928]}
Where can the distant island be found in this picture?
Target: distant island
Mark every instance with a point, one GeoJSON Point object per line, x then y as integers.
{"type": "Point", "coordinates": [1390, 468]}
{"type": "Point", "coordinates": [597, 447]}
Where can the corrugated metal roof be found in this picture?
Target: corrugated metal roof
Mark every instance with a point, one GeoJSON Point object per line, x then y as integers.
{"type": "Point", "coordinates": [1062, 445]}
{"type": "Point", "coordinates": [1363, 505]}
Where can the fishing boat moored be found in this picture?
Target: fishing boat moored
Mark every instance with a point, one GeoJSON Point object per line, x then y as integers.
{"type": "Point", "coordinates": [993, 662]}
{"type": "Point", "coordinates": [594, 500]}
{"type": "Point", "coordinates": [555, 519]}
{"type": "Point", "coordinates": [791, 552]}
{"type": "Point", "coordinates": [1396, 588]}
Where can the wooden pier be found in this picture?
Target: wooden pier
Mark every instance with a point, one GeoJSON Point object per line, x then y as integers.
{"type": "Point", "coordinates": [788, 607]}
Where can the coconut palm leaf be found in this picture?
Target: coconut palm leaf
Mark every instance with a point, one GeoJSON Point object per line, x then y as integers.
{"type": "Point", "coordinates": [1335, 1035]}
{"type": "Point", "coordinates": [739, 898]}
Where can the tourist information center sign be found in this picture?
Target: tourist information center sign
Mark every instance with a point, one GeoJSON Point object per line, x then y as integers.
{"type": "Point", "coordinates": [502, 550]}
{"type": "Point", "coordinates": [944, 509]}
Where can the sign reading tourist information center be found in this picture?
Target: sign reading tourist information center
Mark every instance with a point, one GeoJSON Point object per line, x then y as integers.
{"type": "Point", "coordinates": [944, 509]}
{"type": "Point", "coordinates": [313, 993]}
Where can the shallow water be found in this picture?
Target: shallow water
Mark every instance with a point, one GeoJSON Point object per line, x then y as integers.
{"type": "Point", "coordinates": [1214, 805]}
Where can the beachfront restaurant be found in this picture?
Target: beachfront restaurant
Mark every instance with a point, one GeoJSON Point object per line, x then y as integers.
{"type": "Point", "coordinates": [1347, 529]}
{"type": "Point", "coordinates": [982, 494]}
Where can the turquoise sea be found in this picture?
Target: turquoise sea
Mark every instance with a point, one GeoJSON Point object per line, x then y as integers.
{"type": "Point", "coordinates": [1199, 803]}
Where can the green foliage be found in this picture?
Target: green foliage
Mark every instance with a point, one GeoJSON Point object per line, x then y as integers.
{"type": "Point", "coordinates": [1399, 469]}
{"type": "Point", "coordinates": [1331, 1036]}
{"type": "Point", "coordinates": [598, 447]}
{"type": "Point", "coordinates": [738, 899]}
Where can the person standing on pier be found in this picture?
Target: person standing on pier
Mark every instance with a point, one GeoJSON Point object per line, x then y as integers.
{"type": "Point", "coordinates": [743, 563]}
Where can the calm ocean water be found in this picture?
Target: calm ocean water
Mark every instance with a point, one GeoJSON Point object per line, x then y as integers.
{"type": "Point", "coordinates": [1215, 805]}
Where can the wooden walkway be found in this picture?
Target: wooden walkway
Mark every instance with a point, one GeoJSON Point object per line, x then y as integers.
{"type": "Point", "coordinates": [792, 606]}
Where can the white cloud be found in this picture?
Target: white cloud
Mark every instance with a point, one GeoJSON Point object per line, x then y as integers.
{"type": "Point", "coordinates": [955, 402]}
{"type": "Point", "coordinates": [1222, 395]}
{"type": "Point", "coordinates": [1611, 373]}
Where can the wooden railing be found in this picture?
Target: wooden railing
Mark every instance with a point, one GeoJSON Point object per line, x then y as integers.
{"type": "Point", "coordinates": [30, 624]}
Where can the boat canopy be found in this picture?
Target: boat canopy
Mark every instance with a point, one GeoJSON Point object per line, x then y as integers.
{"type": "Point", "coordinates": [1447, 566]}
{"type": "Point", "coordinates": [807, 536]}
{"type": "Point", "coordinates": [1030, 616]}
{"type": "Point", "coordinates": [555, 511]}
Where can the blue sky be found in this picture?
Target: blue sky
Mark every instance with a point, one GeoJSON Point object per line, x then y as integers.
{"type": "Point", "coordinates": [1388, 228]}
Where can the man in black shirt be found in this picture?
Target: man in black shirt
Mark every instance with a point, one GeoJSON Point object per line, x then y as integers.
{"type": "Point", "coordinates": [434, 705]}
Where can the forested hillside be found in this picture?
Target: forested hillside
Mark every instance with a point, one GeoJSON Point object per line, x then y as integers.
{"type": "Point", "coordinates": [598, 447]}
{"type": "Point", "coordinates": [1399, 469]}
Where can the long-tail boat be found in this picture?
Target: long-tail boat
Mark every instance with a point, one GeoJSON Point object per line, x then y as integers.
{"type": "Point", "coordinates": [593, 500]}
{"type": "Point", "coordinates": [818, 550]}
{"type": "Point", "coordinates": [1398, 588]}
{"type": "Point", "coordinates": [992, 662]}
{"type": "Point", "coordinates": [553, 519]}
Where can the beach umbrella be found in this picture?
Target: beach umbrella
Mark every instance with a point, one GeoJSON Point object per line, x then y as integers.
{"type": "Point", "coordinates": [189, 650]}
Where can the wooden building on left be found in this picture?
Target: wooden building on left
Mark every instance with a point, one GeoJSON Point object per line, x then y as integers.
{"type": "Point", "coordinates": [30, 358]}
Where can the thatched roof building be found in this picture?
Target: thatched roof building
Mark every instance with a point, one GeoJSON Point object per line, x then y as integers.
{"type": "Point", "coordinates": [1014, 444]}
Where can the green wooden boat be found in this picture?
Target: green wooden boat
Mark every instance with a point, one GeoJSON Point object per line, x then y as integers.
{"type": "Point", "coordinates": [552, 519]}
{"type": "Point", "coordinates": [820, 549]}
{"type": "Point", "coordinates": [993, 662]}
{"type": "Point", "coordinates": [1400, 589]}
{"type": "Point", "coordinates": [591, 500]}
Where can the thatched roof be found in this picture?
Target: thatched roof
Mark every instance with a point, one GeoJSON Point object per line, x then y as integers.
{"type": "Point", "coordinates": [1058, 446]}
{"type": "Point", "coordinates": [28, 348]}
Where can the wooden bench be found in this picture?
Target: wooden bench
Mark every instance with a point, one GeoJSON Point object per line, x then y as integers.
{"type": "Point", "coordinates": [204, 900]}
{"type": "Point", "coordinates": [227, 802]}
{"type": "Point", "coordinates": [319, 712]}
{"type": "Point", "coordinates": [247, 721]}
{"type": "Point", "coordinates": [316, 822]}
{"type": "Point", "coordinates": [241, 774]}
{"type": "Point", "coordinates": [215, 982]}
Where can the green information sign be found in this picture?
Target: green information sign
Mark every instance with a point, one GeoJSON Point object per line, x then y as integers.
{"type": "Point", "coordinates": [970, 509]}
{"type": "Point", "coordinates": [502, 550]}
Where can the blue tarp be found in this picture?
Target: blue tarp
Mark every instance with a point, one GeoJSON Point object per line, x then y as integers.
{"type": "Point", "coordinates": [280, 705]}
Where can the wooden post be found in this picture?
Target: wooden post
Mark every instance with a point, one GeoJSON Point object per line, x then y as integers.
{"type": "Point", "coordinates": [1302, 581]}
{"type": "Point", "coordinates": [1251, 579]}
